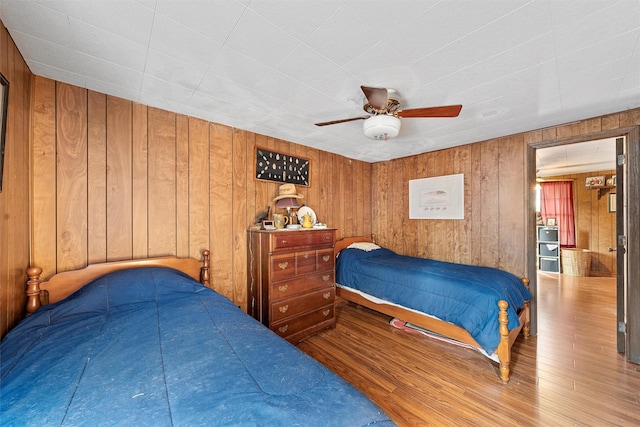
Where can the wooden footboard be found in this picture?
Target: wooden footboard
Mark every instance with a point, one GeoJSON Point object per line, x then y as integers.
{"type": "Point", "coordinates": [64, 284]}
{"type": "Point", "coordinates": [507, 338]}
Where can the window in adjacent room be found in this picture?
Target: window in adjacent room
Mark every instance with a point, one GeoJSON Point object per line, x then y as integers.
{"type": "Point", "coordinates": [556, 201]}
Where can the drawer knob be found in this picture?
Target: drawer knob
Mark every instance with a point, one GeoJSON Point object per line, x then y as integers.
{"type": "Point", "coordinates": [326, 312]}
{"type": "Point", "coordinates": [306, 255]}
{"type": "Point", "coordinates": [326, 258]}
{"type": "Point", "coordinates": [326, 295]}
{"type": "Point", "coordinates": [283, 329]}
{"type": "Point", "coordinates": [283, 308]}
{"type": "Point", "coordinates": [283, 288]}
{"type": "Point", "coordinates": [284, 242]}
{"type": "Point", "coordinates": [283, 265]}
{"type": "Point", "coordinates": [325, 277]}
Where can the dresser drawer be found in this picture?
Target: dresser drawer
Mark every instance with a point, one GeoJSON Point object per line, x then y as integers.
{"type": "Point", "coordinates": [325, 260]}
{"type": "Point", "coordinates": [288, 288]}
{"type": "Point", "coordinates": [289, 265]}
{"type": "Point", "coordinates": [310, 261]}
{"type": "Point", "coordinates": [291, 239]}
{"type": "Point", "coordinates": [283, 309]}
{"type": "Point", "coordinates": [283, 266]}
{"type": "Point", "coordinates": [306, 262]}
{"type": "Point", "coordinates": [296, 324]}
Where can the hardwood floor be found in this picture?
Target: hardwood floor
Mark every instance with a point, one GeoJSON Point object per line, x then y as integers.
{"type": "Point", "coordinates": [569, 374]}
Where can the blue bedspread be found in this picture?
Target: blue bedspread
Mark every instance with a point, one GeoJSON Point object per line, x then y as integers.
{"type": "Point", "coordinates": [464, 295]}
{"type": "Point", "coordinates": [151, 346]}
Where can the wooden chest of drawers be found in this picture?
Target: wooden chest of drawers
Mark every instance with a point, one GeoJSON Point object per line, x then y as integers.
{"type": "Point", "coordinates": [291, 281]}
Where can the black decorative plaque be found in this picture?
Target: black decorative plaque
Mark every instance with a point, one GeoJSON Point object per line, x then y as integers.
{"type": "Point", "coordinates": [278, 167]}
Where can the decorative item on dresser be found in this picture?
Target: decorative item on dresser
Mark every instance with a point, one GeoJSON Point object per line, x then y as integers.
{"type": "Point", "coordinates": [291, 281]}
{"type": "Point", "coordinates": [287, 198]}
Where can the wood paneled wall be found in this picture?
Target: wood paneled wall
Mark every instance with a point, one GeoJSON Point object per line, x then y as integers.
{"type": "Point", "coordinates": [595, 225]}
{"type": "Point", "coordinates": [113, 180]}
{"type": "Point", "coordinates": [499, 217]}
{"type": "Point", "coordinates": [14, 198]}
{"type": "Point", "coordinates": [492, 231]}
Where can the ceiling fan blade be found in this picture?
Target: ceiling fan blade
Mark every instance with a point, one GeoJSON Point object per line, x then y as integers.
{"type": "Point", "coordinates": [377, 97]}
{"type": "Point", "coordinates": [333, 122]}
{"type": "Point", "coordinates": [444, 111]}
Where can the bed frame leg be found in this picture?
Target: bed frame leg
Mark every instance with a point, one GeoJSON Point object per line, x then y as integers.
{"type": "Point", "coordinates": [33, 290]}
{"type": "Point", "coordinates": [504, 352]}
{"type": "Point", "coordinates": [527, 320]}
{"type": "Point", "coordinates": [526, 328]}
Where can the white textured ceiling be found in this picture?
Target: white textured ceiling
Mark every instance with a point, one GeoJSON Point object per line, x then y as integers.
{"type": "Point", "coordinates": [276, 67]}
{"type": "Point", "coordinates": [591, 156]}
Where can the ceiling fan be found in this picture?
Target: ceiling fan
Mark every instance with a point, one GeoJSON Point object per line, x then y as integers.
{"type": "Point", "coordinates": [383, 105]}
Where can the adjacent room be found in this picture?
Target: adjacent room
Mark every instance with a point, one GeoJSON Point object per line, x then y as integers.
{"type": "Point", "coordinates": [347, 212]}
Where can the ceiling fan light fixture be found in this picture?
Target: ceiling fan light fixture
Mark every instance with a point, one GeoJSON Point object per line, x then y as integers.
{"type": "Point", "coordinates": [381, 127]}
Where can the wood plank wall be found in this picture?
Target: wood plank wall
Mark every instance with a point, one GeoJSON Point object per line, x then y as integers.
{"type": "Point", "coordinates": [142, 170]}
{"type": "Point", "coordinates": [499, 219]}
{"type": "Point", "coordinates": [595, 225]}
{"type": "Point", "coordinates": [14, 198]}
{"type": "Point", "coordinates": [494, 187]}
{"type": "Point", "coordinates": [113, 180]}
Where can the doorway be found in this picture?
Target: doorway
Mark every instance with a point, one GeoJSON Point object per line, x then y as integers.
{"type": "Point", "coordinates": [629, 276]}
{"type": "Point", "coordinates": [591, 216]}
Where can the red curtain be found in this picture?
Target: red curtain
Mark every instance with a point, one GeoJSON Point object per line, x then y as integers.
{"type": "Point", "coordinates": [557, 202]}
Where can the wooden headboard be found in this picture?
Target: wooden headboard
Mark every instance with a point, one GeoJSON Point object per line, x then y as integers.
{"type": "Point", "coordinates": [346, 241]}
{"type": "Point", "coordinates": [61, 285]}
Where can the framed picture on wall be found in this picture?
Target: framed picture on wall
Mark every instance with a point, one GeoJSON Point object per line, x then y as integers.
{"type": "Point", "coordinates": [280, 167]}
{"type": "Point", "coordinates": [612, 202]}
{"type": "Point", "coordinates": [4, 102]}
{"type": "Point", "coordinates": [594, 181]}
{"type": "Point", "coordinates": [440, 197]}
{"type": "Point", "coordinates": [551, 222]}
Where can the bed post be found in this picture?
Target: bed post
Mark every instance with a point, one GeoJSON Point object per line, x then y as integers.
{"type": "Point", "coordinates": [504, 352]}
{"type": "Point", "coordinates": [33, 289]}
{"type": "Point", "coordinates": [526, 328]}
{"type": "Point", "coordinates": [204, 270]}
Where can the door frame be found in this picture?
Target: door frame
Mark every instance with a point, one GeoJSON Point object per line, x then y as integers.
{"type": "Point", "coordinates": [621, 246]}
{"type": "Point", "coordinates": [632, 205]}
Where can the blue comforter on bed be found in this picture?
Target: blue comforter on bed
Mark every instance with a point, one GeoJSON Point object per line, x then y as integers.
{"type": "Point", "coordinates": [464, 295]}
{"type": "Point", "coordinates": [151, 346]}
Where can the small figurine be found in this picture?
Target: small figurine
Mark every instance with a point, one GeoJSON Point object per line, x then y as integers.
{"type": "Point", "coordinates": [262, 215]}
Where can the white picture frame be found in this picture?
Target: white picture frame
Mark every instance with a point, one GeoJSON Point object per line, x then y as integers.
{"type": "Point", "coordinates": [611, 202]}
{"type": "Point", "coordinates": [440, 197]}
